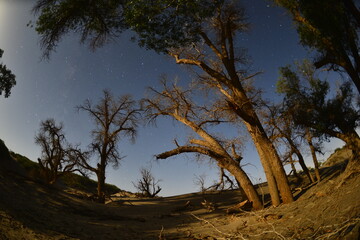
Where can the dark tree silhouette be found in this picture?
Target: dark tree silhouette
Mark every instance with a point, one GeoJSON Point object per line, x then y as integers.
{"type": "Point", "coordinates": [148, 186]}
{"type": "Point", "coordinates": [114, 118]}
{"type": "Point", "coordinates": [7, 79]}
{"type": "Point", "coordinates": [331, 28]}
{"type": "Point", "coordinates": [307, 97]}
{"type": "Point", "coordinates": [56, 158]}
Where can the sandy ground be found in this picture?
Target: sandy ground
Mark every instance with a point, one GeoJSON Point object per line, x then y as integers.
{"type": "Point", "coordinates": [29, 210]}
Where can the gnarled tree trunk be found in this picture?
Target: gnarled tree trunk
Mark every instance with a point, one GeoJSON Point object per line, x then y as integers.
{"type": "Point", "coordinates": [270, 160]}
{"type": "Point", "coordinates": [245, 183]}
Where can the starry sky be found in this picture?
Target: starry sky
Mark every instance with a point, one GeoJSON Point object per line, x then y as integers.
{"type": "Point", "coordinates": [74, 73]}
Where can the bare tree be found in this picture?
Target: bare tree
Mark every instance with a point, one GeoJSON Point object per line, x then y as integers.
{"type": "Point", "coordinates": [224, 69]}
{"type": "Point", "coordinates": [114, 118]}
{"type": "Point", "coordinates": [200, 181]}
{"type": "Point", "coordinates": [288, 159]}
{"type": "Point", "coordinates": [176, 103]}
{"type": "Point", "coordinates": [55, 159]}
{"type": "Point", "coordinates": [147, 185]}
{"type": "Point", "coordinates": [314, 148]}
{"type": "Point", "coordinates": [204, 38]}
{"type": "Point", "coordinates": [282, 127]}
{"type": "Point", "coordinates": [224, 182]}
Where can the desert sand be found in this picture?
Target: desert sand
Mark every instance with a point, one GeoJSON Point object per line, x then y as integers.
{"type": "Point", "coordinates": [327, 210]}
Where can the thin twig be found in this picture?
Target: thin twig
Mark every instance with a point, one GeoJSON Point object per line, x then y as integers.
{"type": "Point", "coordinates": [161, 237]}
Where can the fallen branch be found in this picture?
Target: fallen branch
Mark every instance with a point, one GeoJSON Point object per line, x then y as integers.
{"type": "Point", "coordinates": [229, 236]}
{"type": "Point", "coordinates": [344, 225]}
{"type": "Point", "coordinates": [161, 237]}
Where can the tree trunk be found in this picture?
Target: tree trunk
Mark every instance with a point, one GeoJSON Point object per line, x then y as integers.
{"type": "Point", "coordinates": [245, 184]}
{"type": "Point", "coordinates": [274, 170]}
{"type": "Point", "coordinates": [302, 163]}
{"type": "Point", "coordinates": [293, 168]}
{"type": "Point", "coordinates": [313, 154]}
{"type": "Point", "coordinates": [270, 160]}
{"type": "Point", "coordinates": [101, 184]}
{"type": "Point", "coordinates": [352, 72]}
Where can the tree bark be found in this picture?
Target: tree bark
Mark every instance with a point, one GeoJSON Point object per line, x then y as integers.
{"type": "Point", "coordinates": [313, 154]}
{"type": "Point", "coordinates": [245, 184]}
{"type": "Point", "coordinates": [270, 160]}
{"type": "Point", "coordinates": [302, 163]}
{"type": "Point", "coordinates": [293, 168]}
{"type": "Point", "coordinates": [273, 168]}
{"type": "Point", "coordinates": [101, 184]}
{"type": "Point", "coordinates": [353, 73]}
{"type": "Point", "coordinates": [243, 107]}
{"type": "Point", "coordinates": [227, 163]}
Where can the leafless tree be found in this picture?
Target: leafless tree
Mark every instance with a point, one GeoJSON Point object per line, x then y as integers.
{"type": "Point", "coordinates": [315, 147]}
{"type": "Point", "coordinates": [200, 181]}
{"type": "Point", "coordinates": [222, 66]}
{"type": "Point", "coordinates": [147, 185]}
{"type": "Point", "coordinates": [176, 103]}
{"type": "Point", "coordinates": [114, 118]}
{"type": "Point", "coordinates": [224, 182]}
{"type": "Point", "coordinates": [281, 127]}
{"type": "Point", "coordinates": [55, 159]}
{"type": "Point", "coordinates": [214, 54]}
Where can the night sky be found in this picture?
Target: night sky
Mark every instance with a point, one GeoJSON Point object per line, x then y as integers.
{"type": "Point", "coordinates": [52, 89]}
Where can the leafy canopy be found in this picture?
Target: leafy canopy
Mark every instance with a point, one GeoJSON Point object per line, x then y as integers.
{"type": "Point", "coordinates": [331, 28]}
{"type": "Point", "coordinates": [159, 24]}
{"type": "Point", "coordinates": [306, 96]}
{"type": "Point", "coordinates": [7, 79]}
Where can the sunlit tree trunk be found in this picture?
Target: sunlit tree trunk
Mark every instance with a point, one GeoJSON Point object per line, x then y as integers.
{"type": "Point", "coordinates": [293, 168]}
{"type": "Point", "coordinates": [246, 185]}
{"type": "Point", "coordinates": [313, 155]}
{"type": "Point", "coordinates": [274, 170]}
{"type": "Point", "coordinates": [175, 102]}
{"type": "Point", "coordinates": [301, 160]}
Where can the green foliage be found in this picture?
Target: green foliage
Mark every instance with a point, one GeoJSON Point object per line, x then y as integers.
{"type": "Point", "coordinates": [160, 24]}
{"type": "Point", "coordinates": [336, 25]}
{"type": "Point", "coordinates": [164, 24]}
{"type": "Point", "coordinates": [96, 21]}
{"type": "Point", "coordinates": [331, 28]}
{"type": "Point", "coordinates": [323, 24]}
{"type": "Point", "coordinates": [306, 97]}
{"type": "Point", "coordinates": [7, 79]}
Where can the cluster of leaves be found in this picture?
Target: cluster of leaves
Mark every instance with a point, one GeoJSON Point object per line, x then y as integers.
{"type": "Point", "coordinates": [306, 97]}
{"type": "Point", "coordinates": [96, 21]}
{"type": "Point", "coordinates": [7, 79]}
{"type": "Point", "coordinates": [164, 24]}
{"type": "Point", "coordinates": [331, 28]}
{"type": "Point", "coordinates": [337, 25]}
{"type": "Point", "coordinates": [159, 24]}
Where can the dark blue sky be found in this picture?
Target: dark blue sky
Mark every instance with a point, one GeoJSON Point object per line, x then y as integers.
{"type": "Point", "coordinates": [74, 73]}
